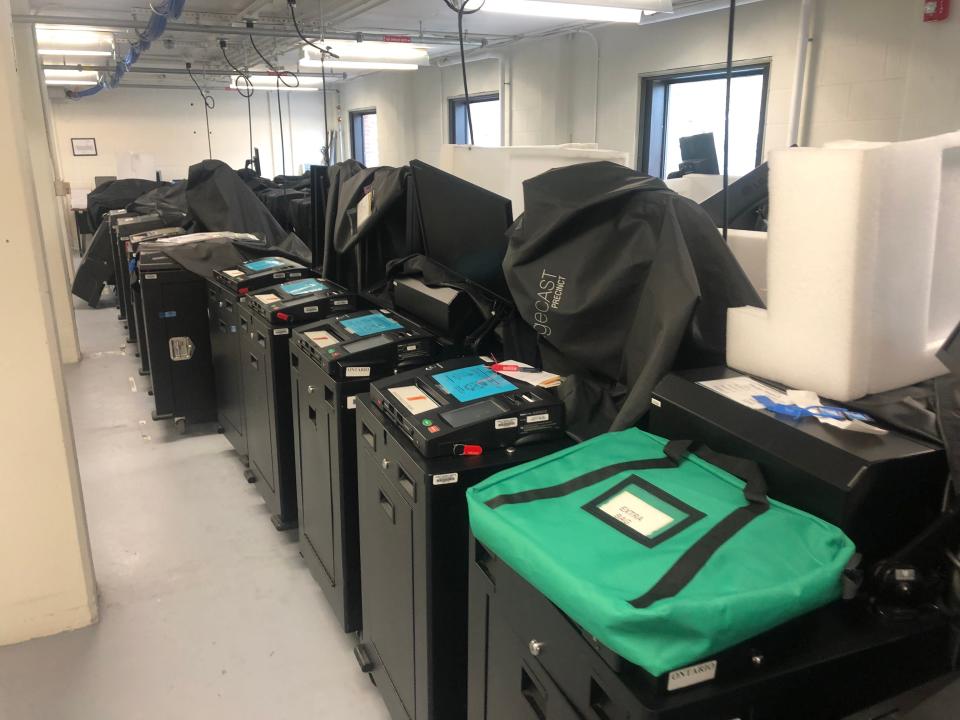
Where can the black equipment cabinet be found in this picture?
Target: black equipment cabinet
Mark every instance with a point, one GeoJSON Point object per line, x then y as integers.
{"type": "Point", "coordinates": [112, 218]}
{"type": "Point", "coordinates": [135, 296]}
{"type": "Point", "coordinates": [882, 491]}
{"type": "Point", "coordinates": [413, 552]}
{"type": "Point", "coordinates": [123, 227]}
{"type": "Point", "coordinates": [325, 381]}
{"type": "Point", "coordinates": [267, 401]}
{"type": "Point", "coordinates": [528, 661]}
{"type": "Point", "coordinates": [178, 340]}
{"type": "Point", "coordinates": [226, 331]}
{"type": "Point", "coordinates": [225, 295]}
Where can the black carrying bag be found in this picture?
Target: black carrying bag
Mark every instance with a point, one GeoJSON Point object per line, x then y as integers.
{"type": "Point", "coordinates": [624, 281]}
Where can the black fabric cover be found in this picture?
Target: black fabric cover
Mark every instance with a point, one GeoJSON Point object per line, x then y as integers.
{"type": "Point", "coordinates": [116, 195]}
{"type": "Point", "coordinates": [301, 217]}
{"type": "Point", "coordinates": [337, 175]}
{"type": "Point", "coordinates": [624, 280]}
{"type": "Point", "coordinates": [167, 201]}
{"type": "Point", "coordinates": [278, 202]}
{"type": "Point", "coordinates": [293, 182]}
{"type": "Point", "coordinates": [96, 268]}
{"type": "Point", "coordinates": [202, 258]}
{"type": "Point", "coordinates": [357, 257]}
{"type": "Point", "coordinates": [254, 181]}
{"type": "Point", "coordinates": [219, 200]}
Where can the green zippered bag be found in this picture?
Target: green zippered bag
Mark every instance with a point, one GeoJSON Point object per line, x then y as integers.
{"type": "Point", "coordinates": [655, 549]}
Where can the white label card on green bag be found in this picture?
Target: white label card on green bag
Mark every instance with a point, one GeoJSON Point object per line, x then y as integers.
{"type": "Point", "coordinates": [636, 514]}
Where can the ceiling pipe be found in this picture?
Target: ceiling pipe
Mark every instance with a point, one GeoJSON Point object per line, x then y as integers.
{"type": "Point", "coordinates": [183, 71]}
{"type": "Point", "coordinates": [256, 31]}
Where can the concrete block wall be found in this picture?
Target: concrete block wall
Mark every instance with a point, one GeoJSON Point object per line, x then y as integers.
{"type": "Point", "coordinates": [876, 72]}
{"type": "Point", "coordinates": [170, 125]}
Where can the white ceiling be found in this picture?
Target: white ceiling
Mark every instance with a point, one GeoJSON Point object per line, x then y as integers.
{"type": "Point", "coordinates": [203, 50]}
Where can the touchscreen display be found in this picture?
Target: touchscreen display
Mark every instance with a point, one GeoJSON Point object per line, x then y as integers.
{"type": "Point", "coordinates": [473, 383]}
{"type": "Point", "coordinates": [265, 264]}
{"type": "Point", "coordinates": [303, 287]}
{"type": "Point", "coordinates": [371, 324]}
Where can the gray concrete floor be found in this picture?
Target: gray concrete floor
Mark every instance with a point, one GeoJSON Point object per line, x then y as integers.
{"type": "Point", "coordinates": [206, 611]}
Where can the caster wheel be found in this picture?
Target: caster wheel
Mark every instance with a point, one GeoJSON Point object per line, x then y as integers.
{"type": "Point", "coordinates": [181, 425]}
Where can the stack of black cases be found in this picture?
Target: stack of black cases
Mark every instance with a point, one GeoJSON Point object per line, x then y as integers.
{"type": "Point", "coordinates": [268, 318]}
{"type": "Point", "coordinates": [178, 338]}
{"type": "Point", "coordinates": [413, 548]}
{"type": "Point", "coordinates": [134, 295]}
{"type": "Point", "coordinates": [331, 362]}
{"type": "Point", "coordinates": [226, 293]}
{"type": "Point", "coordinates": [529, 660]}
{"type": "Point", "coordinates": [123, 227]}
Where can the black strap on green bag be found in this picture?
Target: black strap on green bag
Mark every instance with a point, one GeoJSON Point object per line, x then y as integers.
{"type": "Point", "coordinates": [698, 554]}
{"type": "Point", "coordinates": [675, 452]}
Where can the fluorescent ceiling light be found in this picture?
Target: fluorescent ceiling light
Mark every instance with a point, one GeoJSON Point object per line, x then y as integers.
{"type": "Point", "coordinates": [624, 11]}
{"type": "Point", "coordinates": [263, 82]}
{"type": "Point", "coordinates": [69, 73]}
{"type": "Point", "coordinates": [50, 81]}
{"type": "Point", "coordinates": [282, 88]}
{"type": "Point", "coordinates": [50, 34]}
{"type": "Point", "coordinates": [71, 52]}
{"type": "Point", "coordinates": [357, 64]}
{"type": "Point", "coordinates": [373, 50]}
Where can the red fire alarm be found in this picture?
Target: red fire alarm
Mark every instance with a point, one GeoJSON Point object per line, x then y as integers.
{"type": "Point", "coordinates": [936, 10]}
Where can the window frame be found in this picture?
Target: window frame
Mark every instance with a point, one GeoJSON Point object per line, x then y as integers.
{"type": "Point", "coordinates": [357, 149]}
{"type": "Point", "coordinates": [458, 104]}
{"type": "Point", "coordinates": [655, 102]}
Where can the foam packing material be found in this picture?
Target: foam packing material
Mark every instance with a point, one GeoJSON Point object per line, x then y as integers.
{"type": "Point", "coordinates": [864, 248]}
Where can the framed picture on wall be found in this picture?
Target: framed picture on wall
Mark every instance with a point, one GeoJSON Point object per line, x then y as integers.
{"type": "Point", "coordinates": [84, 146]}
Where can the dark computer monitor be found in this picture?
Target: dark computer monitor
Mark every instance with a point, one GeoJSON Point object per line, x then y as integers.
{"type": "Point", "coordinates": [699, 153]}
{"type": "Point", "coordinates": [464, 226]}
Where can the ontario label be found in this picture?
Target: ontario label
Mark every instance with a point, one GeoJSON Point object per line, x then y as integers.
{"type": "Point", "coordinates": [693, 675]}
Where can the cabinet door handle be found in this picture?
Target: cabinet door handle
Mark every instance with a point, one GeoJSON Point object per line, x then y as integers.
{"type": "Point", "coordinates": [387, 508]}
{"type": "Point", "coordinates": [254, 362]}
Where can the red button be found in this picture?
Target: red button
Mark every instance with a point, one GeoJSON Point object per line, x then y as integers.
{"type": "Point", "coordinates": [282, 317]}
{"type": "Point", "coordinates": [244, 291]}
{"type": "Point", "coordinates": [471, 450]}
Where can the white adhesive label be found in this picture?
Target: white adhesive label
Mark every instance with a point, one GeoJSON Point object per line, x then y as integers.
{"type": "Point", "coordinates": [150, 276]}
{"type": "Point", "coordinates": [446, 479]}
{"type": "Point", "coordinates": [636, 514]}
{"type": "Point", "coordinates": [744, 389]}
{"type": "Point", "coordinates": [268, 299]}
{"type": "Point", "coordinates": [655, 402]}
{"type": "Point", "coordinates": [352, 402]}
{"type": "Point", "coordinates": [364, 209]}
{"type": "Point", "coordinates": [341, 302]}
{"type": "Point", "coordinates": [506, 423]}
{"type": "Point", "coordinates": [233, 273]}
{"type": "Point", "coordinates": [358, 372]}
{"type": "Point", "coordinates": [279, 276]}
{"type": "Point", "coordinates": [693, 675]}
{"type": "Point", "coordinates": [282, 331]}
{"type": "Point", "coordinates": [311, 310]}
{"type": "Point", "coordinates": [538, 418]}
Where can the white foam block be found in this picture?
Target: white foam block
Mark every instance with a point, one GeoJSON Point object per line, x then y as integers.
{"type": "Point", "coordinates": [503, 170]}
{"type": "Point", "coordinates": [864, 245]}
